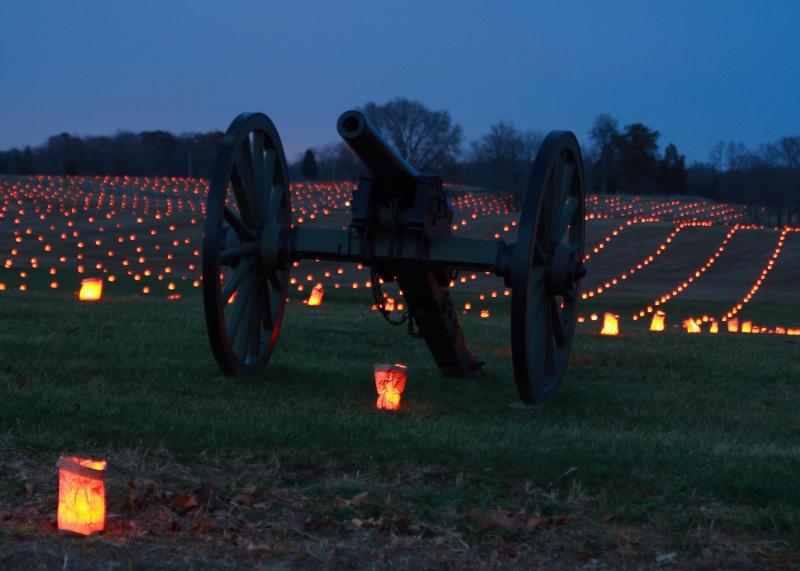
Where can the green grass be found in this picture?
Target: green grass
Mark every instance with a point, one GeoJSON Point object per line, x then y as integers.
{"type": "Point", "coordinates": [649, 425]}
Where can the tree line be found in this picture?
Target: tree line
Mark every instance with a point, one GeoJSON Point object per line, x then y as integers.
{"type": "Point", "coordinates": [618, 159]}
{"type": "Point", "coordinates": [766, 179]}
{"type": "Point", "coordinates": [149, 153]}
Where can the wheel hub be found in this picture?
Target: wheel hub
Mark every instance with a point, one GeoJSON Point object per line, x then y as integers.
{"type": "Point", "coordinates": [565, 270]}
{"type": "Point", "coordinates": [272, 244]}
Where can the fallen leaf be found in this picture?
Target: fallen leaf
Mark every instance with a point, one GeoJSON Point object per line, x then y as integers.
{"type": "Point", "coordinates": [206, 493]}
{"type": "Point", "coordinates": [626, 549]}
{"type": "Point", "coordinates": [500, 519]}
{"type": "Point", "coordinates": [242, 499]}
{"type": "Point", "coordinates": [629, 539]}
{"type": "Point", "coordinates": [185, 501]}
{"type": "Point", "coordinates": [670, 558]}
{"type": "Point", "coordinates": [203, 526]}
{"type": "Point", "coordinates": [136, 496]}
{"type": "Point", "coordinates": [534, 522]}
{"type": "Point", "coordinates": [258, 548]}
{"type": "Point", "coordinates": [399, 524]}
{"type": "Point", "coordinates": [359, 499]}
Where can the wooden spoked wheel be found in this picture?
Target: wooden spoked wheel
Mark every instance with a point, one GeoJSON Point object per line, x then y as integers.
{"type": "Point", "coordinates": [245, 278]}
{"type": "Point", "coordinates": [546, 268]}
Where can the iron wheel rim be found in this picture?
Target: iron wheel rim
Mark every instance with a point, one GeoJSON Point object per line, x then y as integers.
{"type": "Point", "coordinates": [543, 316]}
{"type": "Point", "coordinates": [249, 189]}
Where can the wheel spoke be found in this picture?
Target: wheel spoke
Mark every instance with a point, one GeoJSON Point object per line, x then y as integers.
{"type": "Point", "coordinates": [555, 205]}
{"type": "Point", "coordinates": [270, 158]}
{"type": "Point", "coordinates": [537, 275]}
{"type": "Point", "coordinates": [254, 342]}
{"type": "Point", "coordinates": [244, 331]}
{"type": "Point", "coordinates": [547, 339]}
{"type": "Point", "coordinates": [539, 254]}
{"type": "Point", "coordinates": [275, 280]}
{"type": "Point", "coordinates": [243, 185]}
{"type": "Point", "coordinates": [266, 307]}
{"type": "Point", "coordinates": [546, 218]}
{"type": "Point", "coordinates": [231, 255]}
{"type": "Point", "coordinates": [237, 224]}
{"type": "Point", "coordinates": [240, 307]}
{"type": "Point", "coordinates": [565, 183]}
{"type": "Point", "coordinates": [566, 217]}
{"type": "Point", "coordinates": [259, 182]}
{"type": "Point", "coordinates": [274, 205]}
{"type": "Point", "coordinates": [557, 324]}
{"type": "Point", "coordinates": [233, 283]}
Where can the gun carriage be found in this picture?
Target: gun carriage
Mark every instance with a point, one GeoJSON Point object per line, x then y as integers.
{"type": "Point", "coordinates": [400, 228]}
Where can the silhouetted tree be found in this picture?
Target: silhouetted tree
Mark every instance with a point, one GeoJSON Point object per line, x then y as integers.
{"type": "Point", "coordinates": [703, 180]}
{"type": "Point", "coordinates": [337, 162]}
{"type": "Point", "coordinates": [672, 175]}
{"type": "Point", "coordinates": [603, 136]}
{"type": "Point", "coordinates": [499, 158]}
{"type": "Point", "coordinates": [308, 167]}
{"type": "Point", "coordinates": [636, 149]}
{"type": "Point", "coordinates": [150, 153]}
{"type": "Point", "coordinates": [716, 155]}
{"type": "Point", "coordinates": [427, 139]}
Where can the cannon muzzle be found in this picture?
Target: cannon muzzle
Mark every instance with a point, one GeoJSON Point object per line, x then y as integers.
{"type": "Point", "coordinates": [375, 152]}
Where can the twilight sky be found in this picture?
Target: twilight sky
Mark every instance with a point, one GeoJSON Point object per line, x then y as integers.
{"type": "Point", "coordinates": [696, 71]}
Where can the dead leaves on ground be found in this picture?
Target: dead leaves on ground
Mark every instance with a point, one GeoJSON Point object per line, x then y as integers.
{"type": "Point", "coordinates": [517, 523]}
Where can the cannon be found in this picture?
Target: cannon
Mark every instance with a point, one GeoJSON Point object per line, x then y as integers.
{"type": "Point", "coordinates": [401, 229]}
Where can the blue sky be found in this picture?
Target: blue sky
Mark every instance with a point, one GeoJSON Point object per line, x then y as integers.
{"type": "Point", "coordinates": [696, 71]}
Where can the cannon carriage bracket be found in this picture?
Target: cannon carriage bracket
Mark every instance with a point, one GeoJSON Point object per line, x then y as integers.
{"type": "Point", "coordinates": [401, 228]}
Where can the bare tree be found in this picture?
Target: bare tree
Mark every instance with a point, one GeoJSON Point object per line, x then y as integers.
{"type": "Point", "coordinates": [784, 153]}
{"type": "Point", "coordinates": [604, 135]}
{"type": "Point", "coordinates": [427, 139]}
{"type": "Point", "coordinates": [737, 156]}
{"type": "Point", "coordinates": [532, 139]}
{"type": "Point", "coordinates": [716, 155]}
{"type": "Point", "coordinates": [500, 157]}
{"type": "Point", "coordinates": [337, 162]}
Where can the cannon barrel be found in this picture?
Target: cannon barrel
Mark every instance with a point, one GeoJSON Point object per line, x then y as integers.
{"type": "Point", "coordinates": [375, 152]}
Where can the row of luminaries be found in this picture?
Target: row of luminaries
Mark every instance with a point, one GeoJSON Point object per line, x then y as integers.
{"type": "Point", "coordinates": [692, 325]}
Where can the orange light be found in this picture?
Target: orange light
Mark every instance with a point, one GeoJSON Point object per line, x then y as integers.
{"type": "Point", "coordinates": [610, 324]}
{"type": "Point", "coordinates": [657, 324]}
{"type": "Point", "coordinates": [733, 325]}
{"type": "Point", "coordinates": [714, 327]}
{"type": "Point", "coordinates": [91, 289]}
{"type": "Point", "coordinates": [691, 326]}
{"type": "Point", "coordinates": [316, 295]}
{"type": "Point", "coordinates": [484, 313]}
{"type": "Point", "coordinates": [747, 326]}
{"type": "Point", "coordinates": [390, 382]}
{"type": "Point", "coordinates": [81, 495]}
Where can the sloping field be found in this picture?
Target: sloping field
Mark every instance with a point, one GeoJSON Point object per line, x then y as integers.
{"type": "Point", "coordinates": [662, 449]}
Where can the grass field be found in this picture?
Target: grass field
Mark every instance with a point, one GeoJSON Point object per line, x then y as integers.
{"type": "Point", "coordinates": [658, 444]}
{"type": "Point", "coordinates": [662, 449]}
